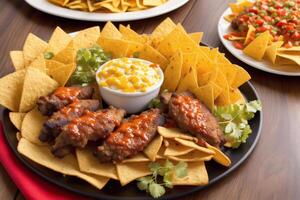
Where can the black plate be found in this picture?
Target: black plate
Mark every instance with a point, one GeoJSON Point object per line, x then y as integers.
{"type": "Point", "coordinates": [114, 191]}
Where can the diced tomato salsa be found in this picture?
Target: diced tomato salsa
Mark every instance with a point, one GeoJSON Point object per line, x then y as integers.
{"type": "Point", "coordinates": [280, 17]}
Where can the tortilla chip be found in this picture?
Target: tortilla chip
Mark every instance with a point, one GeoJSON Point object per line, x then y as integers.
{"type": "Point", "coordinates": [294, 48]}
{"type": "Point", "coordinates": [163, 29]}
{"type": "Point", "coordinates": [189, 82]}
{"type": "Point", "coordinates": [129, 34]}
{"type": "Point", "coordinates": [140, 157]}
{"type": "Point", "coordinates": [67, 55]}
{"type": "Point", "coordinates": [58, 41]}
{"type": "Point", "coordinates": [295, 57]}
{"type": "Point", "coordinates": [173, 72]}
{"type": "Point", "coordinates": [17, 58]}
{"type": "Point", "coordinates": [219, 156]}
{"type": "Point", "coordinates": [203, 79]}
{"type": "Point", "coordinates": [18, 136]}
{"type": "Point", "coordinates": [176, 40]}
{"type": "Point", "coordinates": [250, 32]}
{"type": "Point", "coordinates": [205, 94]}
{"type": "Point", "coordinates": [271, 51]}
{"type": "Point", "coordinates": [241, 77]}
{"type": "Point", "coordinates": [174, 133]}
{"type": "Point", "coordinates": [36, 84]}
{"type": "Point", "coordinates": [151, 54]}
{"type": "Point", "coordinates": [193, 156]}
{"type": "Point", "coordinates": [17, 119]}
{"type": "Point", "coordinates": [110, 31]}
{"type": "Point", "coordinates": [189, 60]}
{"type": "Point", "coordinates": [152, 2]}
{"type": "Point", "coordinates": [109, 45]}
{"type": "Point", "coordinates": [32, 125]}
{"type": "Point", "coordinates": [257, 48]}
{"type": "Point", "coordinates": [152, 149]}
{"type": "Point", "coordinates": [60, 72]}
{"type": "Point", "coordinates": [33, 47]}
{"type": "Point", "coordinates": [236, 96]}
{"type": "Point", "coordinates": [197, 175]}
{"type": "Point", "coordinates": [11, 87]}
{"type": "Point", "coordinates": [229, 70]}
{"type": "Point", "coordinates": [196, 37]}
{"type": "Point", "coordinates": [39, 63]}
{"type": "Point", "coordinates": [128, 172]}
{"type": "Point", "coordinates": [176, 149]}
{"type": "Point", "coordinates": [86, 38]}
{"type": "Point", "coordinates": [192, 144]}
{"type": "Point", "coordinates": [67, 165]}
{"type": "Point", "coordinates": [90, 164]}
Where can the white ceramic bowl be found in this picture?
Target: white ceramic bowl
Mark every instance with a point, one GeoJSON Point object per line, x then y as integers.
{"type": "Point", "coordinates": [131, 102]}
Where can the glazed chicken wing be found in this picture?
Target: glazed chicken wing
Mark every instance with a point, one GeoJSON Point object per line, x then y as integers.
{"type": "Point", "coordinates": [192, 116]}
{"type": "Point", "coordinates": [91, 126]}
{"type": "Point", "coordinates": [61, 97]}
{"type": "Point", "coordinates": [53, 126]}
{"type": "Point", "coordinates": [131, 137]}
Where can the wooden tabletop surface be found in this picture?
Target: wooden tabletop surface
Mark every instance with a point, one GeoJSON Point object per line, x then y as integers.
{"type": "Point", "coordinates": [271, 172]}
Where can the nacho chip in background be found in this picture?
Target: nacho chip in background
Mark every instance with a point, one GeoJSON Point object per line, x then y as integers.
{"type": "Point", "coordinates": [11, 87]}
{"type": "Point", "coordinates": [67, 165]}
{"type": "Point", "coordinates": [32, 125]}
{"type": "Point", "coordinates": [17, 58]}
{"type": "Point", "coordinates": [17, 118]}
{"type": "Point", "coordinates": [36, 84]}
{"type": "Point", "coordinates": [33, 47]}
{"type": "Point", "coordinates": [257, 48]}
{"type": "Point", "coordinates": [271, 51]}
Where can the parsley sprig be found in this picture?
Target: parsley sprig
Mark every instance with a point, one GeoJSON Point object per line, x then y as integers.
{"type": "Point", "coordinates": [156, 188]}
{"type": "Point", "coordinates": [233, 120]}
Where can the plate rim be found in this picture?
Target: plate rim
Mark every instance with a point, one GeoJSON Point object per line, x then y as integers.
{"type": "Point", "coordinates": [170, 196]}
{"type": "Point", "coordinates": [114, 17]}
{"type": "Point", "coordinates": [247, 60]}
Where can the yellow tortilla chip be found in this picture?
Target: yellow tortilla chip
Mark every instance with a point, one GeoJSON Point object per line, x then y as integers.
{"type": "Point", "coordinates": [152, 2]}
{"type": "Point", "coordinates": [90, 164]}
{"type": "Point", "coordinates": [140, 157]}
{"type": "Point", "coordinates": [62, 73]}
{"type": "Point", "coordinates": [17, 119]}
{"type": "Point", "coordinates": [128, 172]}
{"type": "Point", "coordinates": [196, 37]}
{"type": "Point", "coordinates": [152, 149]}
{"type": "Point", "coordinates": [18, 136]}
{"type": "Point", "coordinates": [58, 41]}
{"type": "Point", "coordinates": [192, 144]}
{"type": "Point", "coordinates": [67, 165]}
{"type": "Point", "coordinates": [189, 82]}
{"type": "Point", "coordinates": [241, 77]}
{"type": "Point", "coordinates": [176, 40]}
{"type": "Point", "coordinates": [196, 175]}
{"type": "Point", "coordinates": [193, 156]}
{"type": "Point", "coordinates": [109, 45]}
{"type": "Point", "coordinates": [11, 87]}
{"type": "Point", "coordinates": [257, 48]}
{"type": "Point", "coordinates": [173, 72]}
{"type": "Point", "coordinates": [250, 32]}
{"type": "Point", "coordinates": [163, 29]}
{"type": "Point", "coordinates": [203, 79]}
{"type": "Point", "coordinates": [36, 84]}
{"type": "Point", "coordinates": [295, 57]}
{"type": "Point", "coordinates": [33, 47]}
{"type": "Point", "coordinates": [229, 70]}
{"type": "Point", "coordinates": [86, 38]}
{"type": "Point", "coordinates": [219, 156]}
{"type": "Point", "coordinates": [67, 55]}
{"type": "Point", "coordinates": [271, 51]}
{"type": "Point", "coordinates": [32, 125]}
{"type": "Point", "coordinates": [110, 31]}
{"type": "Point", "coordinates": [174, 133]}
{"type": "Point", "coordinates": [205, 94]}
{"type": "Point", "coordinates": [129, 34]}
{"type": "Point", "coordinates": [17, 58]}
{"type": "Point", "coordinates": [176, 149]}
{"type": "Point", "coordinates": [39, 63]}
{"type": "Point", "coordinates": [189, 60]}
{"type": "Point", "coordinates": [294, 48]}
{"type": "Point", "coordinates": [236, 96]}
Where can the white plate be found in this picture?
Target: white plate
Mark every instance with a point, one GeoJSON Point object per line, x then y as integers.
{"type": "Point", "coordinates": [225, 28]}
{"type": "Point", "coordinates": [45, 6]}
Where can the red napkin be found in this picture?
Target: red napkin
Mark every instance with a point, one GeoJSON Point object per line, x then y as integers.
{"type": "Point", "coordinates": [30, 184]}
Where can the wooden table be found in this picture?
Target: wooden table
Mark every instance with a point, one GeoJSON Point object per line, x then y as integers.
{"type": "Point", "coordinates": [271, 172]}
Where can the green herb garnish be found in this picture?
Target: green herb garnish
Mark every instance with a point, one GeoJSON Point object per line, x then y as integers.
{"type": "Point", "coordinates": [233, 120]}
{"type": "Point", "coordinates": [154, 103]}
{"type": "Point", "coordinates": [88, 61]}
{"type": "Point", "coordinates": [48, 55]}
{"type": "Point", "coordinates": [151, 183]}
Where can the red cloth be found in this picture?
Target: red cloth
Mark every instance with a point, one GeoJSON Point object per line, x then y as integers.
{"type": "Point", "coordinates": [30, 184]}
